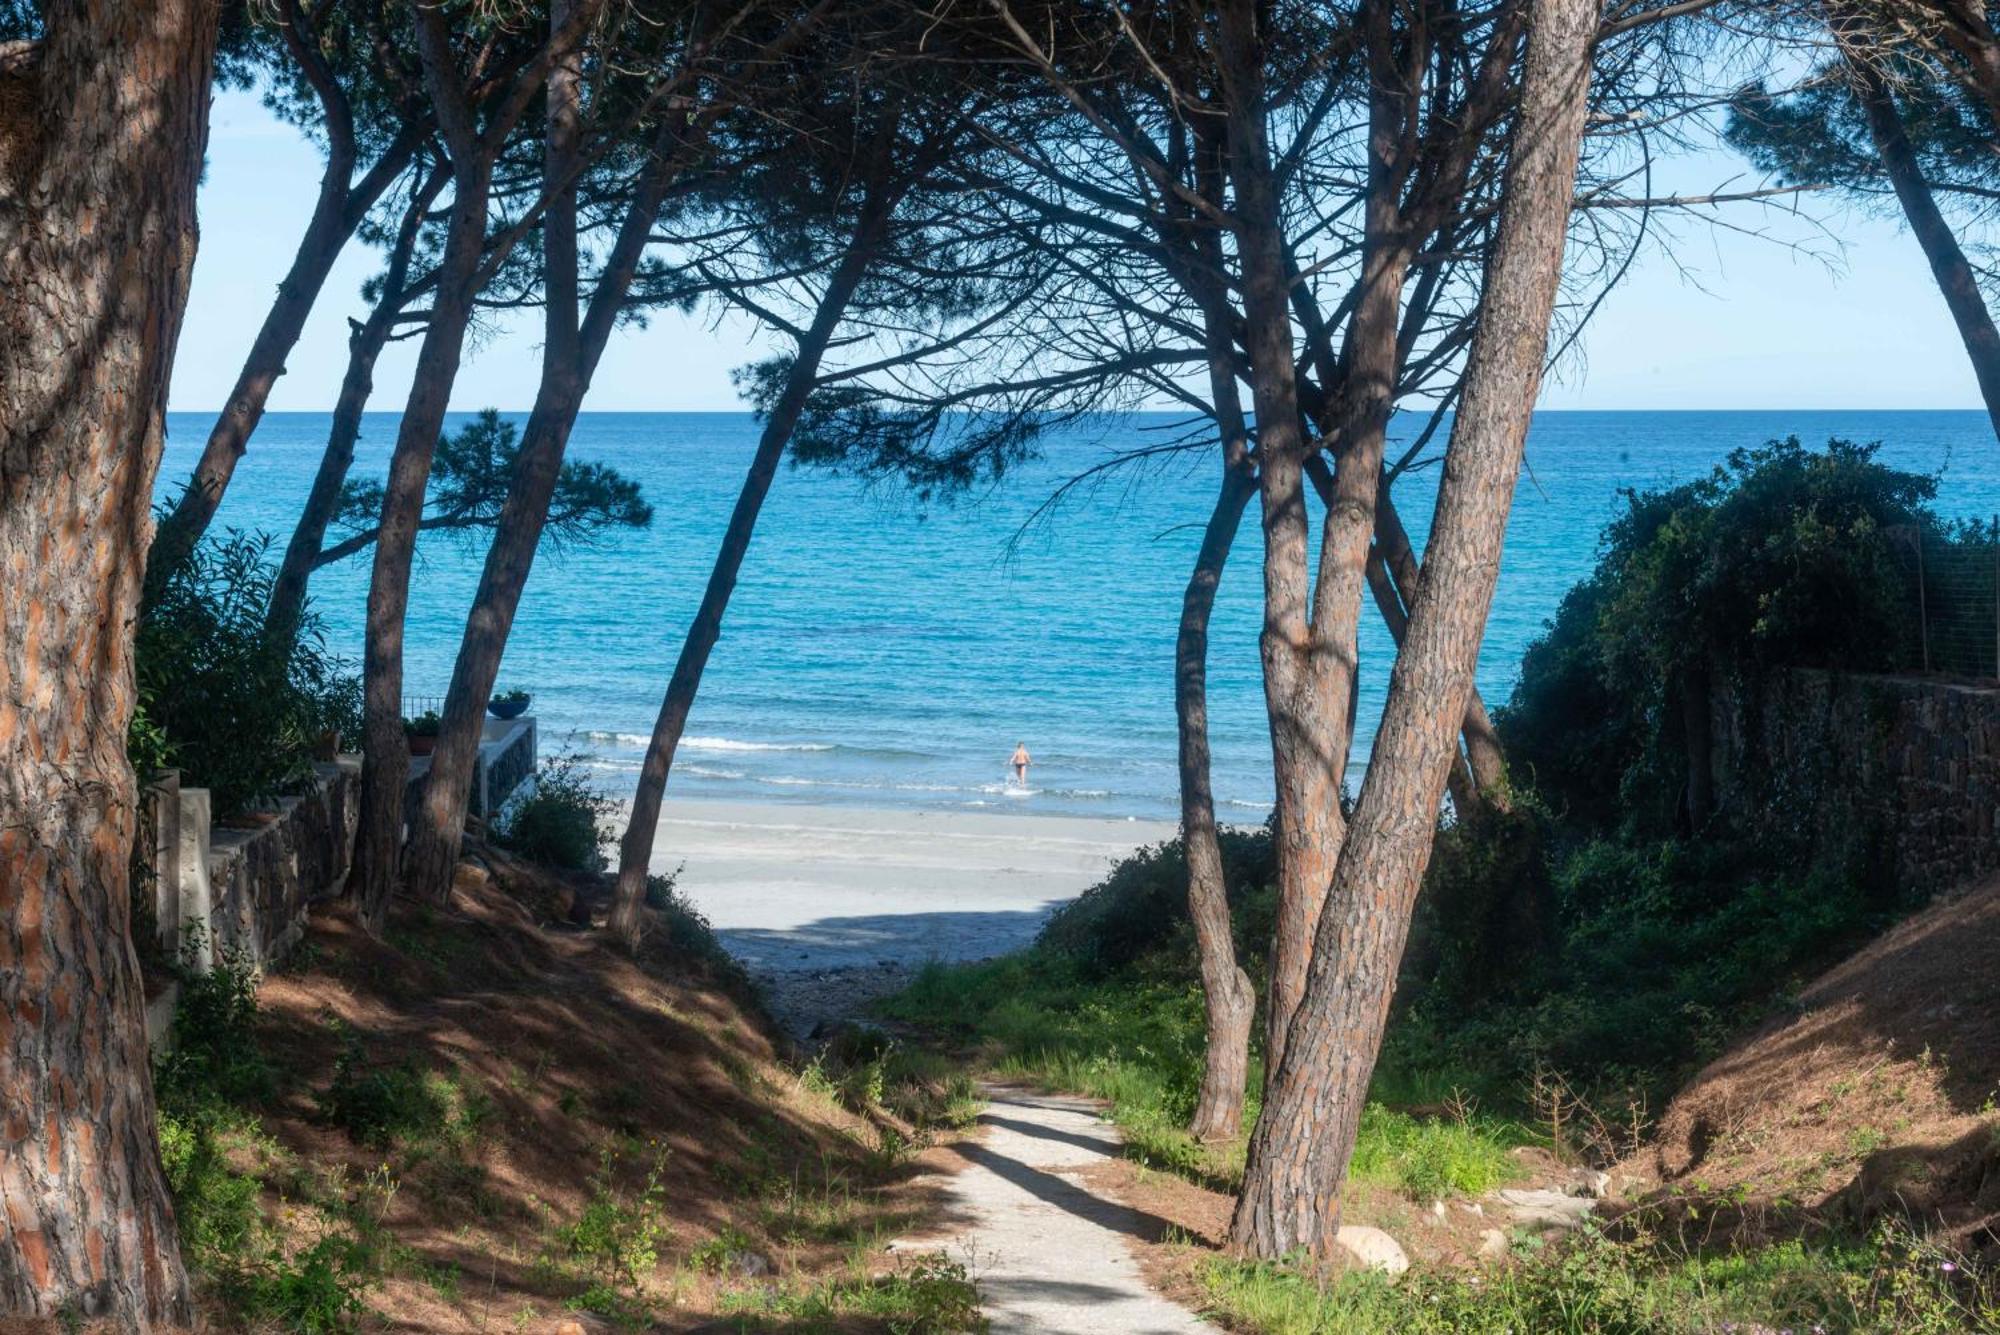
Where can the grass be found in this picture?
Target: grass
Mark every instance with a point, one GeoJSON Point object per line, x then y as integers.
{"type": "Point", "coordinates": [1894, 1284]}
{"type": "Point", "coordinates": [1138, 1045]}
{"type": "Point", "coordinates": [929, 1295]}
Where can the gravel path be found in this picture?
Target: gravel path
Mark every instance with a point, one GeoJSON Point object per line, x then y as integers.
{"type": "Point", "coordinates": [1050, 1255]}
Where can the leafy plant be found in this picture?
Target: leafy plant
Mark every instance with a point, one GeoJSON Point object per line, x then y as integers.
{"type": "Point", "coordinates": [426, 724]}
{"type": "Point", "coordinates": [511, 697]}
{"type": "Point", "coordinates": [560, 823]}
{"type": "Point", "coordinates": [240, 711]}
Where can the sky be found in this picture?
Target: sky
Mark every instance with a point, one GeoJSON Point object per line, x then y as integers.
{"type": "Point", "coordinates": [1729, 321]}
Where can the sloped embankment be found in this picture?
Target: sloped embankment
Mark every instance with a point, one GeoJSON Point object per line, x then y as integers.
{"type": "Point", "coordinates": [491, 1120]}
{"type": "Point", "coordinates": [1875, 1096]}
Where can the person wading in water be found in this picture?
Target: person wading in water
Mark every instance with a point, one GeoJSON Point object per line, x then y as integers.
{"type": "Point", "coordinates": [1020, 764]}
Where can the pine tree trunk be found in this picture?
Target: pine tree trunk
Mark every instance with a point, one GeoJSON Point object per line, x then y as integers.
{"type": "Point", "coordinates": [1484, 756]}
{"type": "Point", "coordinates": [385, 751]}
{"type": "Point", "coordinates": [635, 850]}
{"type": "Point", "coordinates": [102, 129]}
{"type": "Point", "coordinates": [1231, 1003]}
{"type": "Point", "coordinates": [364, 347]}
{"type": "Point", "coordinates": [1305, 720]}
{"type": "Point", "coordinates": [569, 359]}
{"type": "Point", "coordinates": [1949, 266]}
{"type": "Point", "coordinates": [1299, 1154]}
{"type": "Point", "coordinates": [339, 210]}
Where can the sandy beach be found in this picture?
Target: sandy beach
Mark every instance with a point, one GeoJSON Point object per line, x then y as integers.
{"type": "Point", "coordinates": [830, 905]}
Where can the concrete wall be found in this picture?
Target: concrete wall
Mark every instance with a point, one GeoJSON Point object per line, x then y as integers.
{"type": "Point", "coordinates": [1907, 766]}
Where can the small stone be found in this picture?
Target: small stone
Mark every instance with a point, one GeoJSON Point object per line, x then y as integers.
{"type": "Point", "coordinates": [1492, 1244]}
{"type": "Point", "coordinates": [1474, 1207]}
{"type": "Point", "coordinates": [582, 1323]}
{"type": "Point", "coordinates": [1373, 1248]}
{"type": "Point", "coordinates": [1437, 1209]}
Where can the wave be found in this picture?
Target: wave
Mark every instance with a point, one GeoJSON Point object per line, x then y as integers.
{"type": "Point", "coordinates": [710, 744]}
{"type": "Point", "coordinates": [731, 744]}
{"type": "Point", "coordinates": [704, 772]}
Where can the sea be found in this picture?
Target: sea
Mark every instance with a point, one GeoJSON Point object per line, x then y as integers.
{"type": "Point", "coordinates": [883, 649]}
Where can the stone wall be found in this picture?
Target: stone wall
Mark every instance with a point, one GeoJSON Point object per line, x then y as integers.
{"type": "Point", "coordinates": [1905, 770]}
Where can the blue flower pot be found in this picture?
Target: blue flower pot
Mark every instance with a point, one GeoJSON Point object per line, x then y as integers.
{"type": "Point", "coordinates": [508, 708]}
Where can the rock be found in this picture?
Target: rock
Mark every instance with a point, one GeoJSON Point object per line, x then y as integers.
{"type": "Point", "coordinates": [582, 1323]}
{"type": "Point", "coordinates": [1437, 1209]}
{"type": "Point", "coordinates": [1591, 1182]}
{"type": "Point", "coordinates": [1373, 1248]}
{"type": "Point", "coordinates": [1546, 1209]}
{"type": "Point", "coordinates": [1474, 1207]}
{"type": "Point", "coordinates": [747, 1264]}
{"type": "Point", "coordinates": [1493, 1245]}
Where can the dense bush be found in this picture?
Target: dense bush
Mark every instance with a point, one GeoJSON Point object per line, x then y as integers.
{"type": "Point", "coordinates": [559, 823]}
{"type": "Point", "coordinates": [240, 712]}
{"type": "Point", "coordinates": [1784, 556]}
{"type": "Point", "coordinates": [1139, 912]}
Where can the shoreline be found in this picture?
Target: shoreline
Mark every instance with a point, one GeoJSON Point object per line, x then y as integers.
{"type": "Point", "coordinates": [831, 906]}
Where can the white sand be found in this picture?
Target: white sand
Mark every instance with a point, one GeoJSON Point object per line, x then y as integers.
{"type": "Point", "coordinates": [799, 887]}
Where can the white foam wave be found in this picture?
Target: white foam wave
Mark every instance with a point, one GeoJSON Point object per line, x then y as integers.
{"type": "Point", "coordinates": [731, 744]}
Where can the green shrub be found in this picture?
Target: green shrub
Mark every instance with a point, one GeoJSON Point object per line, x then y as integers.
{"type": "Point", "coordinates": [207, 1088]}
{"type": "Point", "coordinates": [384, 1105]}
{"type": "Point", "coordinates": [1893, 1284]}
{"type": "Point", "coordinates": [688, 927]}
{"type": "Point", "coordinates": [240, 711]}
{"type": "Point", "coordinates": [1784, 556]}
{"type": "Point", "coordinates": [560, 823]}
{"type": "Point", "coordinates": [614, 1243]}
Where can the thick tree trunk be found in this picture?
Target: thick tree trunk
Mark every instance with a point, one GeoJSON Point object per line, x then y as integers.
{"type": "Point", "coordinates": [635, 850]}
{"type": "Point", "coordinates": [1304, 714]}
{"type": "Point", "coordinates": [569, 359]}
{"type": "Point", "coordinates": [1953, 272]}
{"type": "Point", "coordinates": [1300, 1151]}
{"type": "Point", "coordinates": [102, 128]}
{"type": "Point", "coordinates": [385, 751]}
{"type": "Point", "coordinates": [364, 347]}
{"type": "Point", "coordinates": [1484, 756]}
{"type": "Point", "coordinates": [341, 206]}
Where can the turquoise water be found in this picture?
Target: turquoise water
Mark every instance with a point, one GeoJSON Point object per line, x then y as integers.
{"type": "Point", "coordinates": [882, 652]}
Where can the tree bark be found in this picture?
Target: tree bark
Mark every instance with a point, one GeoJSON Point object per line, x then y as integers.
{"type": "Point", "coordinates": [1953, 272]}
{"type": "Point", "coordinates": [635, 850]}
{"type": "Point", "coordinates": [1299, 1154]}
{"type": "Point", "coordinates": [569, 360]}
{"type": "Point", "coordinates": [102, 129]}
{"type": "Point", "coordinates": [1229, 999]}
{"type": "Point", "coordinates": [365, 342]}
{"type": "Point", "coordinates": [1303, 711]}
{"type": "Point", "coordinates": [339, 209]}
{"type": "Point", "coordinates": [1485, 758]}
{"type": "Point", "coordinates": [385, 751]}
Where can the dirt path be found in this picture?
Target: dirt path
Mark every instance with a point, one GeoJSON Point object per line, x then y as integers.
{"type": "Point", "coordinates": [1050, 1255]}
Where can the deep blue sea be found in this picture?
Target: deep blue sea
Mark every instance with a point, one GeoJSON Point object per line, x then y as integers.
{"type": "Point", "coordinates": [880, 651]}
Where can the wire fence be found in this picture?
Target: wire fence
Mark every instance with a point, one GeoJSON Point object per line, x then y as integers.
{"type": "Point", "coordinates": [1954, 591]}
{"type": "Point", "coordinates": [416, 706]}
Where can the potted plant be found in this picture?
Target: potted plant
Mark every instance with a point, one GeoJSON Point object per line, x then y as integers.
{"type": "Point", "coordinates": [423, 732]}
{"type": "Point", "coordinates": [509, 704]}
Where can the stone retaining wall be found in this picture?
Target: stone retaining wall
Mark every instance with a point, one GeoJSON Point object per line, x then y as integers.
{"type": "Point", "coordinates": [1907, 766]}
{"type": "Point", "coordinates": [243, 889]}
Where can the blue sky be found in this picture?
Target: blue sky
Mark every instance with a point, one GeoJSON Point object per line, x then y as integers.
{"type": "Point", "coordinates": [1731, 321]}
